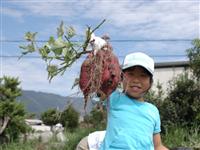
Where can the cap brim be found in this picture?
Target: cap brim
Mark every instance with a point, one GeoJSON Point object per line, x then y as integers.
{"type": "Point", "coordinates": [138, 64]}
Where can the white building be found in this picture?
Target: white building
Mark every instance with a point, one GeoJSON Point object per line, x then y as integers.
{"type": "Point", "coordinates": [166, 71]}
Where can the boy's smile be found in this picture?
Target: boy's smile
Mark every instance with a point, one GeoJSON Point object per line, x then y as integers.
{"type": "Point", "coordinates": [136, 82]}
{"type": "Point", "coordinates": [135, 88]}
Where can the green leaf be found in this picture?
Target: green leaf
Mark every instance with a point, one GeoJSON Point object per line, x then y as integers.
{"type": "Point", "coordinates": [51, 40]}
{"type": "Point", "coordinates": [64, 52]}
{"type": "Point", "coordinates": [30, 47]}
{"type": "Point", "coordinates": [70, 32]}
{"type": "Point", "coordinates": [27, 49]}
{"type": "Point", "coordinates": [60, 30]}
{"type": "Point", "coordinates": [30, 36]}
{"type": "Point", "coordinates": [43, 52]}
{"type": "Point", "coordinates": [52, 71]}
{"type": "Point", "coordinates": [23, 47]}
{"type": "Point", "coordinates": [47, 46]}
{"type": "Point", "coordinates": [57, 51]}
{"type": "Point", "coordinates": [59, 42]}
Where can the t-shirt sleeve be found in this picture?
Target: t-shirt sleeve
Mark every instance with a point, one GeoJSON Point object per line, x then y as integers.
{"type": "Point", "coordinates": [113, 99]}
{"type": "Point", "coordinates": [157, 128]}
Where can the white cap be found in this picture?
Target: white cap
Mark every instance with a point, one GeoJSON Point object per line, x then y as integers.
{"type": "Point", "coordinates": [138, 59]}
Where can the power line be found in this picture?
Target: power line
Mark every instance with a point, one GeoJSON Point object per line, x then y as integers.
{"type": "Point", "coordinates": [35, 57]}
{"type": "Point", "coordinates": [17, 56]}
{"type": "Point", "coordinates": [117, 40]}
{"type": "Point", "coordinates": [152, 40]}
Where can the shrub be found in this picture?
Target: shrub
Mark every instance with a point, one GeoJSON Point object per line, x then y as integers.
{"type": "Point", "coordinates": [70, 118]}
{"type": "Point", "coordinates": [97, 118]}
{"type": "Point", "coordinates": [51, 116]}
{"type": "Point", "coordinates": [182, 104]}
{"type": "Point", "coordinates": [12, 113]}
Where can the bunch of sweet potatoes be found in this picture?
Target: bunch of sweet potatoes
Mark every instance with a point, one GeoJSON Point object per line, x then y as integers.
{"type": "Point", "coordinates": [100, 73]}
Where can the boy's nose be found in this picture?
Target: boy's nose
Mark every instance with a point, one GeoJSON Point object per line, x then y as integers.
{"type": "Point", "coordinates": [135, 79]}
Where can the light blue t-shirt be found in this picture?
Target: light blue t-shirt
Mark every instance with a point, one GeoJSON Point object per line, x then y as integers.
{"type": "Point", "coordinates": [131, 124]}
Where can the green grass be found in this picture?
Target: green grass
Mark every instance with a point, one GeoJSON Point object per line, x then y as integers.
{"type": "Point", "coordinates": [182, 137]}
{"type": "Point", "coordinates": [76, 136]}
{"type": "Point", "coordinates": [73, 139]}
{"type": "Point", "coordinates": [19, 146]}
{"type": "Point", "coordinates": [174, 137]}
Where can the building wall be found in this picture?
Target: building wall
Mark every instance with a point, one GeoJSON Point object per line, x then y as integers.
{"type": "Point", "coordinates": [164, 75]}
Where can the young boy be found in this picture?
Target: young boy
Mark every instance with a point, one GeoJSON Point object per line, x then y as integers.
{"type": "Point", "coordinates": [133, 123]}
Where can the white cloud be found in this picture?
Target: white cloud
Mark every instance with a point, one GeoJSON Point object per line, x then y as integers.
{"type": "Point", "coordinates": [162, 19]}
{"type": "Point", "coordinates": [12, 12]}
{"type": "Point", "coordinates": [33, 76]}
{"type": "Point", "coordinates": [43, 8]}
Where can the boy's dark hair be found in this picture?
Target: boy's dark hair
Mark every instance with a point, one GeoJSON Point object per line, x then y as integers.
{"type": "Point", "coordinates": [146, 71]}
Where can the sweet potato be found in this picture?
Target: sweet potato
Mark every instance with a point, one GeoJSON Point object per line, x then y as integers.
{"type": "Point", "coordinates": [100, 73]}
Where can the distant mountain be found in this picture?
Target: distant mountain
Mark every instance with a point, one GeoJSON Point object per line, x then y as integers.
{"type": "Point", "coordinates": [38, 102]}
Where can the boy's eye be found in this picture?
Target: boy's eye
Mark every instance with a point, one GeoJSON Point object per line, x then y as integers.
{"type": "Point", "coordinates": [130, 73]}
{"type": "Point", "coordinates": [143, 75]}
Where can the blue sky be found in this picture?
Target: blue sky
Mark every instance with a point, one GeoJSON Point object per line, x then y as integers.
{"type": "Point", "coordinates": [161, 28]}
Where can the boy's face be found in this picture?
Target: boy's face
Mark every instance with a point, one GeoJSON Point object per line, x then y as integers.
{"type": "Point", "coordinates": [136, 82]}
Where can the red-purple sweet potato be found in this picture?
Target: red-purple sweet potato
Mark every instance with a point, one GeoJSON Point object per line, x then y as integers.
{"type": "Point", "coordinates": [100, 73]}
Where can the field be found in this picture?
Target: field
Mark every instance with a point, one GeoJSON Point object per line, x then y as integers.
{"type": "Point", "coordinates": [174, 137]}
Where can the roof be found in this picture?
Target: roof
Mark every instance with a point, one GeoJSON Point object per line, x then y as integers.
{"type": "Point", "coordinates": [172, 64]}
{"type": "Point", "coordinates": [33, 121]}
{"type": "Point", "coordinates": [41, 128]}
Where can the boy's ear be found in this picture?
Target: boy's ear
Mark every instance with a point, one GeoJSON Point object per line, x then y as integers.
{"type": "Point", "coordinates": [151, 83]}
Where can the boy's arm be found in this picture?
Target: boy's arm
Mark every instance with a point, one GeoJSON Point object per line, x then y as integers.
{"type": "Point", "coordinates": [157, 142]}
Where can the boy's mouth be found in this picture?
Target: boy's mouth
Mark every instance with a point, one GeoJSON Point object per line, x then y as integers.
{"type": "Point", "coordinates": [135, 87]}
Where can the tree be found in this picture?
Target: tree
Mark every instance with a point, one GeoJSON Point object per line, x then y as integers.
{"type": "Point", "coordinates": [70, 117]}
{"type": "Point", "coordinates": [12, 113]}
{"type": "Point", "coordinates": [98, 118]}
{"type": "Point", "coordinates": [182, 105]}
{"type": "Point", "coordinates": [51, 116]}
{"type": "Point", "coordinates": [156, 97]}
{"type": "Point", "coordinates": [194, 57]}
